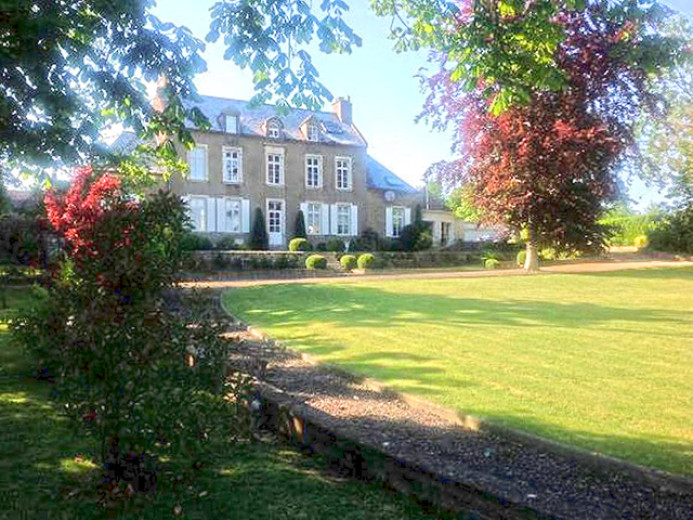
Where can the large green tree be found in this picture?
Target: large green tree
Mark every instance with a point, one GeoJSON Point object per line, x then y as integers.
{"type": "Point", "coordinates": [70, 66]}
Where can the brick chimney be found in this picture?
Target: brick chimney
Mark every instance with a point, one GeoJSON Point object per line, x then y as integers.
{"type": "Point", "coordinates": [342, 108]}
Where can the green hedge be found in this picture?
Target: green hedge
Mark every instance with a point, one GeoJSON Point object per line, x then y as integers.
{"type": "Point", "coordinates": [316, 262]}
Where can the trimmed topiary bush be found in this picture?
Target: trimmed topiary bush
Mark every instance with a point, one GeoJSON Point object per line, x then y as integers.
{"type": "Point", "coordinates": [366, 261]}
{"type": "Point", "coordinates": [300, 225]}
{"type": "Point", "coordinates": [299, 244]}
{"type": "Point", "coordinates": [491, 263]}
{"type": "Point", "coordinates": [521, 257]}
{"type": "Point", "coordinates": [348, 262]}
{"type": "Point", "coordinates": [316, 262]}
{"type": "Point", "coordinates": [259, 240]}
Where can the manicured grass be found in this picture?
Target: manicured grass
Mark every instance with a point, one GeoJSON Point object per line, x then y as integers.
{"type": "Point", "coordinates": [601, 361]}
{"type": "Point", "coordinates": [46, 470]}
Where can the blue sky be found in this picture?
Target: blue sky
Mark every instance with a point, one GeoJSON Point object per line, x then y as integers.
{"type": "Point", "coordinates": [382, 86]}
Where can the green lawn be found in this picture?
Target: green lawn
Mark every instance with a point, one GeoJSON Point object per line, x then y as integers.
{"type": "Point", "coordinates": [46, 470]}
{"type": "Point", "coordinates": [601, 361]}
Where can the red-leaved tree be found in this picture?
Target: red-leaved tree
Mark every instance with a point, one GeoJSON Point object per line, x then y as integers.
{"type": "Point", "coordinates": [548, 167]}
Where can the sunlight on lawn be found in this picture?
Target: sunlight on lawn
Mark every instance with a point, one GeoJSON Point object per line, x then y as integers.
{"type": "Point", "coordinates": [601, 361]}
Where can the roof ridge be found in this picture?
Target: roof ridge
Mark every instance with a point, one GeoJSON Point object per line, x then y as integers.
{"type": "Point", "coordinates": [266, 105]}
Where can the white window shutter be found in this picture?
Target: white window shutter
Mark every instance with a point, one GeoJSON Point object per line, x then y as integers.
{"type": "Point", "coordinates": [245, 216]}
{"type": "Point", "coordinates": [407, 216]}
{"type": "Point", "coordinates": [211, 215]}
{"type": "Point", "coordinates": [325, 219]}
{"type": "Point", "coordinates": [221, 215]}
{"type": "Point", "coordinates": [333, 219]}
{"type": "Point", "coordinates": [388, 221]}
{"type": "Point", "coordinates": [354, 220]}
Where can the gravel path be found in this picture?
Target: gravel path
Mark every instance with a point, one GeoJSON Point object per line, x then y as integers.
{"type": "Point", "coordinates": [581, 267]}
{"type": "Point", "coordinates": [525, 474]}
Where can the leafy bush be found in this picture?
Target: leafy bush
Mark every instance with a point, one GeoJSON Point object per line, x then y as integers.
{"type": "Point", "coordinates": [369, 240]}
{"type": "Point", "coordinates": [641, 241]}
{"type": "Point", "coordinates": [104, 331]}
{"type": "Point", "coordinates": [335, 245]}
{"type": "Point", "coordinates": [366, 261]}
{"type": "Point", "coordinates": [521, 257]}
{"type": "Point", "coordinates": [316, 262]}
{"type": "Point", "coordinates": [22, 240]}
{"type": "Point", "coordinates": [348, 262]}
{"type": "Point", "coordinates": [624, 225]}
{"type": "Point", "coordinates": [321, 246]}
{"type": "Point", "coordinates": [491, 263]}
{"type": "Point", "coordinates": [674, 232]}
{"type": "Point", "coordinates": [259, 241]}
{"type": "Point", "coordinates": [299, 244]}
{"type": "Point", "coordinates": [227, 243]}
{"type": "Point", "coordinates": [195, 242]}
{"type": "Point", "coordinates": [548, 253]}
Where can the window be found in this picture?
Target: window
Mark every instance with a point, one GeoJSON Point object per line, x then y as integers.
{"type": "Point", "coordinates": [275, 168]}
{"type": "Point", "coordinates": [343, 171]}
{"type": "Point", "coordinates": [231, 124]}
{"type": "Point", "coordinates": [444, 233]}
{"type": "Point", "coordinates": [232, 215]}
{"type": "Point", "coordinates": [314, 171]}
{"type": "Point", "coordinates": [197, 159]}
{"type": "Point", "coordinates": [344, 219]}
{"type": "Point", "coordinates": [397, 221]}
{"type": "Point", "coordinates": [273, 130]}
{"type": "Point", "coordinates": [198, 213]}
{"type": "Point", "coordinates": [313, 218]}
{"type": "Point", "coordinates": [274, 216]}
{"type": "Point", "coordinates": [232, 166]}
{"type": "Point", "coordinates": [313, 133]}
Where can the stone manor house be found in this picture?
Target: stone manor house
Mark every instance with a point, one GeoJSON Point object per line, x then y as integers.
{"type": "Point", "coordinates": [316, 162]}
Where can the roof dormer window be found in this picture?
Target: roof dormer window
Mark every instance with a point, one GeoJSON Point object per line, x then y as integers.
{"type": "Point", "coordinates": [312, 132]}
{"type": "Point", "coordinates": [231, 124]}
{"type": "Point", "coordinates": [273, 129]}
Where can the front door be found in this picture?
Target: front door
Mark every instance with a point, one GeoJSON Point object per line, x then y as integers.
{"type": "Point", "coordinates": [275, 222]}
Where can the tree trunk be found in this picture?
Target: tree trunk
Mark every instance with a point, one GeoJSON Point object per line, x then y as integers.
{"type": "Point", "coordinates": [532, 258]}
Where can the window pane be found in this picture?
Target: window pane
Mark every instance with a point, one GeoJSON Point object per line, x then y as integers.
{"type": "Point", "coordinates": [198, 163]}
{"type": "Point", "coordinates": [343, 220]}
{"type": "Point", "coordinates": [313, 219]}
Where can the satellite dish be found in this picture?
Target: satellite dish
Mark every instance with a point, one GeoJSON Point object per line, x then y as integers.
{"type": "Point", "coordinates": [389, 196]}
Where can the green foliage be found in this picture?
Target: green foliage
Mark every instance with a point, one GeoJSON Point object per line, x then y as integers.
{"type": "Point", "coordinates": [195, 242]}
{"type": "Point", "coordinates": [72, 68]}
{"type": "Point", "coordinates": [226, 243]}
{"type": "Point", "coordinates": [271, 38]}
{"type": "Point", "coordinates": [105, 331]}
{"type": "Point", "coordinates": [22, 239]}
{"type": "Point", "coordinates": [491, 263]}
{"type": "Point", "coordinates": [348, 262]}
{"type": "Point", "coordinates": [521, 257]}
{"type": "Point", "coordinates": [674, 232]}
{"type": "Point", "coordinates": [369, 240]}
{"type": "Point", "coordinates": [316, 262]}
{"type": "Point", "coordinates": [299, 244]}
{"type": "Point", "coordinates": [416, 236]}
{"type": "Point", "coordinates": [335, 245]}
{"type": "Point", "coordinates": [366, 261]}
{"type": "Point", "coordinates": [300, 225]}
{"type": "Point", "coordinates": [548, 253]}
{"type": "Point", "coordinates": [259, 241]}
{"type": "Point", "coordinates": [624, 225]}
{"type": "Point", "coordinates": [641, 241]}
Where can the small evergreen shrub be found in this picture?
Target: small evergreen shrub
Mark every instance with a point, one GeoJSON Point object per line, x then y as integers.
{"type": "Point", "coordinates": [335, 245]}
{"type": "Point", "coordinates": [322, 246]}
{"type": "Point", "coordinates": [300, 225]}
{"type": "Point", "coordinates": [348, 262]}
{"type": "Point", "coordinates": [227, 243]}
{"type": "Point", "coordinates": [521, 257]}
{"type": "Point", "coordinates": [641, 241]}
{"type": "Point", "coordinates": [366, 261]}
{"type": "Point", "coordinates": [491, 263]}
{"type": "Point", "coordinates": [195, 242]}
{"type": "Point", "coordinates": [316, 262]}
{"type": "Point", "coordinates": [299, 244]}
{"type": "Point", "coordinates": [259, 240]}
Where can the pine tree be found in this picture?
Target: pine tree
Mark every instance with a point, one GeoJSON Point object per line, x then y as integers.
{"type": "Point", "coordinates": [259, 240]}
{"type": "Point", "coordinates": [300, 225]}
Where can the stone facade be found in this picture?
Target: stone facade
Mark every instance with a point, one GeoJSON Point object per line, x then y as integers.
{"type": "Point", "coordinates": [311, 161]}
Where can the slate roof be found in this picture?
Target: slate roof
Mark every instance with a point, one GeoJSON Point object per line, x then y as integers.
{"type": "Point", "coordinates": [252, 119]}
{"type": "Point", "coordinates": [381, 178]}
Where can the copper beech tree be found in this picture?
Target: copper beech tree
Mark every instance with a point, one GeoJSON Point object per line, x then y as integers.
{"type": "Point", "coordinates": [547, 167]}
